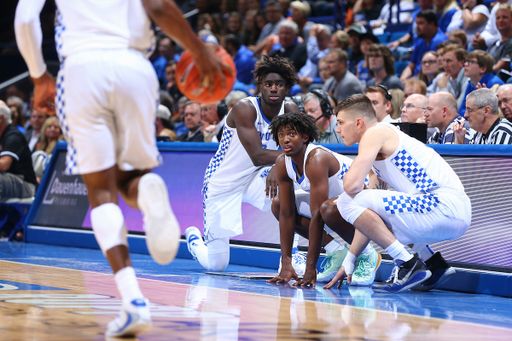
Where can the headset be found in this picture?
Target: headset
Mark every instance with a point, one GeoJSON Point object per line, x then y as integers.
{"type": "Point", "coordinates": [297, 99]}
{"type": "Point", "coordinates": [388, 95]}
{"type": "Point", "coordinates": [325, 103]}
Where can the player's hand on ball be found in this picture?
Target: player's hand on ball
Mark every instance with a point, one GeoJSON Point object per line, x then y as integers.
{"type": "Point", "coordinates": [286, 274]}
{"type": "Point", "coordinates": [271, 186]}
{"type": "Point", "coordinates": [340, 276]}
{"type": "Point", "coordinates": [309, 278]}
{"type": "Point", "coordinates": [211, 66]}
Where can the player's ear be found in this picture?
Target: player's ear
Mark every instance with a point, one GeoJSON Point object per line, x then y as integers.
{"type": "Point", "coordinates": [305, 138]}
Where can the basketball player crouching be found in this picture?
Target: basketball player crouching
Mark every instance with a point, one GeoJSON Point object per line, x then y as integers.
{"type": "Point", "coordinates": [429, 204]}
{"type": "Point", "coordinates": [308, 175]}
{"type": "Point", "coordinates": [239, 171]}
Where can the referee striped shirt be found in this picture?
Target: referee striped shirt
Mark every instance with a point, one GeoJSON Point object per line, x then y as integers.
{"type": "Point", "coordinates": [448, 136]}
{"type": "Point", "coordinates": [499, 133]}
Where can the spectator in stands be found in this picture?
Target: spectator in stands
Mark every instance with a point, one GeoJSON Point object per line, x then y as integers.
{"type": "Point", "coordinates": [429, 71]}
{"type": "Point", "coordinates": [290, 48]}
{"type": "Point", "coordinates": [354, 33]}
{"type": "Point", "coordinates": [171, 87]}
{"type": "Point", "coordinates": [17, 178]}
{"type": "Point", "coordinates": [491, 34]}
{"type": "Point", "coordinates": [460, 37]}
{"type": "Point", "coordinates": [192, 113]}
{"type": "Point", "coordinates": [397, 101]}
{"type": "Point", "coordinates": [251, 30]}
{"type": "Point", "coordinates": [159, 62]}
{"type": "Point", "coordinates": [412, 34]}
{"type": "Point", "coordinates": [445, 10]}
{"type": "Point", "coordinates": [501, 50]}
{"type": "Point", "coordinates": [178, 117]}
{"type": "Point", "coordinates": [16, 105]}
{"type": "Point", "coordinates": [441, 113]}
{"type": "Point", "coordinates": [300, 13]}
{"type": "Point", "coordinates": [274, 17]}
{"type": "Point", "coordinates": [342, 83]}
{"type": "Point", "coordinates": [413, 108]}
{"type": "Point", "coordinates": [317, 48]}
{"type": "Point", "coordinates": [340, 39]}
{"type": "Point", "coordinates": [381, 100]}
{"type": "Point", "coordinates": [382, 67]}
{"type": "Point", "coordinates": [415, 86]}
{"type": "Point", "coordinates": [378, 26]}
{"type": "Point", "coordinates": [167, 49]}
{"type": "Point", "coordinates": [285, 8]}
{"type": "Point", "coordinates": [367, 10]}
{"type": "Point", "coordinates": [163, 122]}
{"type": "Point", "coordinates": [50, 135]}
{"type": "Point", "coordinates": [234, 26]}
{"type": "Point", "coordinates": [233, 97]}
{"type": "Point", "coordinates": [253, 4]}
{"type": "Point", "coordinates": [33, 133]}
{"type": "Point", "coordinates": [505, 100]}
{"type": "Point", "coordinates": [472, 18]}
{"type": "Point", "coordinates": [454, 80]}
{"type": "Point", "coordinates": [478, 68]}
{"type": "Point", "coordinates": [483, 116]}
{"type": "Point", "coordinates": [325, 121]}
{"type": "Point", "coordinates": [242, 56]}
{"type": "Point", "coordinates": [440, 52]}
{"type": "Point", "coordinates": [213, 120]}
{"type": "Point", "coordinates": [429, 36]}
{"type": "Point", "coordinates": [362, 71]}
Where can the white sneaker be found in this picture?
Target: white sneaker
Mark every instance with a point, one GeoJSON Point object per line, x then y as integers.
{"type": "Point", "coordinates": [162, 229]}
{"type": "Point", "coordinates": [134, 318]}
{"type": "Point", "coordinates": [298, 263]}
{"type": "Point", "coordinates": [193, 237]}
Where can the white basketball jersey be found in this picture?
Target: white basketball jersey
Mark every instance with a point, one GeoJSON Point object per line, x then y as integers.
{"type": "Point", "coordinates": [415, 168]}
{"type": "Point", "coordinates": [231, 164]}
{"type": "Point", "coordinates": [335, 181]}
{"type": "Point", "coordinates": [102, 24]}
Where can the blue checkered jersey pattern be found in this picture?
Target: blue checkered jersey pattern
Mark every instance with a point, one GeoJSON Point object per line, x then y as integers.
{"type": "Point", "coordinates": [216, 161]}
{"type": "Point", "coordinates": [399, 204]}
{"type": "Point", "coordinates": [413, 171]}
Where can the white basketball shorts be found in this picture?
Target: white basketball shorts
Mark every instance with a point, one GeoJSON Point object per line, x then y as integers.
{"type": "Point", "coordinates": [106, 102]}
{"type": "Point", "coordinates": [414, 219]}
{"type": "Point", "coordinates": [222, 209]}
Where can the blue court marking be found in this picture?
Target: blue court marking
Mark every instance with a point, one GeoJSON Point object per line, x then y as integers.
{"type": "Point", "coordinates": [10, 285]}
{"type": "Point", "coordinates": [474, 308]}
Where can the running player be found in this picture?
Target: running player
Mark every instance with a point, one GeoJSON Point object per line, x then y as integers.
{"type": "Point", "coordinates": [239, 171]}
{"type": "Point", "coordinates": [106, 100]}
{"type": "Point", "coordinates": [429, 204]}
{"type": "Point", "coordinates": [308, 175]}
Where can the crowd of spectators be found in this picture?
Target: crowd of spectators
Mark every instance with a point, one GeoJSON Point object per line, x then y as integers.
{"type": "Point", "coordinates": [457, 56]}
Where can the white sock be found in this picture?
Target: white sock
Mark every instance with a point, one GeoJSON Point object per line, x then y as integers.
{"type": "Point", "coordinates": [368, 249]}
{"type": "Point", "coordinates": [127, 284]}
{"type": "Point", "coordinates": [398, 251]}
{"type": "Point", "coordinates": [333, 245]}
{"type": "Point", "coordinates": [423, 251]}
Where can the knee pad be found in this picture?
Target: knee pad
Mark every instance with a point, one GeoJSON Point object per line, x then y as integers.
{"type": "Point", "coordinates": [350, 207]}
{"type": "Point", "coordinates": [108, 226]}
{"type": "Point", "coordinates": [218, 254]}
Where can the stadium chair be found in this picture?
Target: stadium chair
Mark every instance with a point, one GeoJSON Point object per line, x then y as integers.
{"type": "Point", "coordinates": [383, 38]}
{"type": "Point", "coordinates": [18, 213]}
{"type": "Point", "coordinates": [396, 35]}
{"type": "Point", "coordinates": [400, 66]}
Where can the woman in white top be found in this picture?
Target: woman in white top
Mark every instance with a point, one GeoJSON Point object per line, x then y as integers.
{"type": "Point", "coordinates": [471, 18]}
{"type": "Point", "coordinates": [380, 24]}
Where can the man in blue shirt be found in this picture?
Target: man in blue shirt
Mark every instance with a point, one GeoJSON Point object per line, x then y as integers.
{"type": "Point", "coordinates": [429, 36]}
{"type": "Point", "coordinates": [478, 68]}
{"type": "Point", "coordinates": [243, 57]}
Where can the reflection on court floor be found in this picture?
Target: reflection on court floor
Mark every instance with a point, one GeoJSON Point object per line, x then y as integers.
{"type": "Point", "coordinates": [71, 301]}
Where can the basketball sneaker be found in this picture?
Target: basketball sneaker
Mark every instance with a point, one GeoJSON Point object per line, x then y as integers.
{"type": "Point", "coordinates": [162, 229]}
{"type": "Point", "coordinates": [405, 275]}
{"type": "Point", "coordinates": [194, 239]}
{"type": "Point", "coordinates": [366, 268]}
{"type": "Point", "coordinates": [441, 272]}
{"type": "Point", "coordinates": [331, 264]}
{"type": "Point", "coordinates": [298, 263]}
{"type": "Point", "coordinates": [134, 318]}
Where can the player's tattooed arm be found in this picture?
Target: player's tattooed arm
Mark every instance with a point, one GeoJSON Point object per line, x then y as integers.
{"type": "Point", "coordinates": [380, 185]}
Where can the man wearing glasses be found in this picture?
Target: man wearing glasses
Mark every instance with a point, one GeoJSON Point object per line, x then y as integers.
{"type": "Point", "coordinates": [441, 113]}
{"type": "Point", "coordinates": [478, 68]}
{"type": "Point", "coordinates": [505, 100]}
{"type": "Point", "coordinates": [413, 108]}
{"type": "Point", "coordinates": [483, 116]}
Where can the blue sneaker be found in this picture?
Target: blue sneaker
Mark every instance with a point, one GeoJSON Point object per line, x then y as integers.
{"type": "Point", "coordinates": [134, 318]}
{"type": "Point", "coordinates": [405, 275]}
{"type": "Point", "coordinates": [441, 272]}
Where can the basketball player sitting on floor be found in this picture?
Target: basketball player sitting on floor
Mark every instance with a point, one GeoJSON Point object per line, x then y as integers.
{"type": "Point", "coordinates": [308, 175]}
{"type": "Point", "coordinates": [429, 204]}
{"type": "Point", "coordinates": [239, 172]}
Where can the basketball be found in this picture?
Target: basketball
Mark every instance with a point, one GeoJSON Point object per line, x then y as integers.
{"type": "Point", "coordinates": [187, 79]}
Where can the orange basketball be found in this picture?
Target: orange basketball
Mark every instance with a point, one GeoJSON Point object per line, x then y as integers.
{"type": "Point", "coordinates": [187, 79]}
